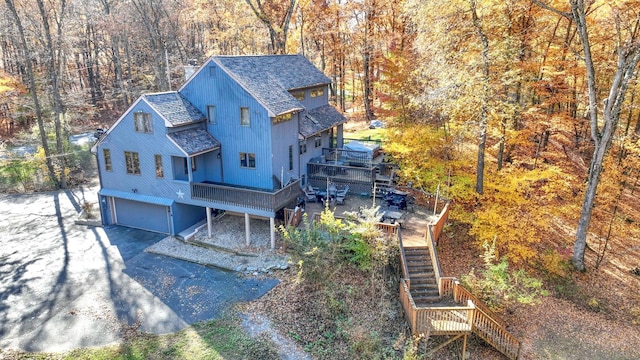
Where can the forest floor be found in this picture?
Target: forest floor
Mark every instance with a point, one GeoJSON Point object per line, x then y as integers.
{"type": "Point", "coordinates": [586, 315]}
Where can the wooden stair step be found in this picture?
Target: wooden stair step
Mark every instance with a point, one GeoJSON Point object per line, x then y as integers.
{"type": "Point", "coordinates": [421, 269]}
{"type": "Point", "coordinates": [424, 301]}
{"type": "Point", "coordinates": [422, 281]}
{"type": "Point", "coordinates": [428, 286]}
{"type": "Point", "coordinates": [411, 255]}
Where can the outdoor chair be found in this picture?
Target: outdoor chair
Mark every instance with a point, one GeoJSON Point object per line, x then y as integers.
{"type": "Point", "coordinates": [341, 195]}
{"type": "Point", "coordinates": [309, 196]}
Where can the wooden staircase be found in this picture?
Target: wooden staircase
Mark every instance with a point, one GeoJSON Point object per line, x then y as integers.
{"type": "Point", "coordinates": [423, 291]}
{"type": "Point", "coordinates": [424, 285]}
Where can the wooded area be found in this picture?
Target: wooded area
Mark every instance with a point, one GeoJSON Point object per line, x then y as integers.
{"type": "Point", "coordinates": [524, 111]}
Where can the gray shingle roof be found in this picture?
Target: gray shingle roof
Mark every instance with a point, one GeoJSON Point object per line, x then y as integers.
{"type": "Point", "coordinates": [174, 107]}
{"type": "Point", "coordinates": [269, 78]}
{"type": "Point", "coordinates": [320, 119]}
{"type": "Point", "coordinates": [194, 141]}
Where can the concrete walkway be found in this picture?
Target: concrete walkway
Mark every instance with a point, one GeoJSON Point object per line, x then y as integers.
{"type": "Point", "coordinates": [66, 286]}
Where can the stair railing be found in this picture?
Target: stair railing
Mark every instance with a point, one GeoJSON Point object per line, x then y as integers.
{"type": "Point", "coordinates": [462, 295]}
{"type": "Point", "coordinates": [403, 261]}
{"type": "Point", "coordinates": [434, 258]}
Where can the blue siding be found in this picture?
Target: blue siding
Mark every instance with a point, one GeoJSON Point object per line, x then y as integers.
{"type": "Point", "coordinates": [283, 135]}
{"type": "Point", "coordinates": [223, 92]}
{"type": "Point", "coordinates": [185, 216]}
{"type": "Point", "coordinates": [314, 102]}
{"type": "Point", "coordinates": [270, 144]}
{"type": "Point", "coordinates": [122, 137]}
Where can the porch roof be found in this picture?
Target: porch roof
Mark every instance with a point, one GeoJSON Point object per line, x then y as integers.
{"type": "Point", "coordinates": [174, 108]}
{"type": "Point", "coordinates": [320, 119]}
{"type": "Point", "coordinates": [194, 141]}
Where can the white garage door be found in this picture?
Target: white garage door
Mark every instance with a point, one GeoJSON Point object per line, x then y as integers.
{"type": "Point", "coordinates": [142, 215]}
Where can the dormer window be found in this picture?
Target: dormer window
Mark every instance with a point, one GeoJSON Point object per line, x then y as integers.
{"type": "Point", "coordinates": [299, 95]}
{"type": "Point", "coordinates": [317, 92]}
{"type": "Point", "coordinates": [142, 122]}
{"type": "Point", "coordinates": [282, 118]}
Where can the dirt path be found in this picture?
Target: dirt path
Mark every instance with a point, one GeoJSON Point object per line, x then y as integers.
{"type": "Point", "coordinates": [256, 325]}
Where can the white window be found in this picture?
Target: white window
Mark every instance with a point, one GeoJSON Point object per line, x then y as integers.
{"type": "Point", "coordinates": [142, 122]}
{"type": "Point", "coordinates": [248, 160]}
{"type": "Point", "coordinates": [159, 168]}
{"type": "Point", "coordinates": [211, 114]}
{"type": "Point", "coordinates": [245, 119]}
{"type": "Point", "coordinates": [318, 141]}
{"type": "Point", "coordinates": [107, 159]}
{"type": "Point", "coordinates": [133, 162]}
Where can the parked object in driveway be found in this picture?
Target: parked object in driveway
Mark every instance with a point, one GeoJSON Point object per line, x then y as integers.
{"type": "Point", "coordinates": [82, 139]}
{"type": "Point", "coordinates": [376, 124]}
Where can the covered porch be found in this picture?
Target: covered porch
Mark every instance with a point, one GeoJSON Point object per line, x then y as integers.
{"type": "Point", "coordinates": [246, 202]}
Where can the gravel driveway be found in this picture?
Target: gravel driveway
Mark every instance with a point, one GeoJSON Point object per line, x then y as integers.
{"type": "Point", "coordinates": [66, 286]}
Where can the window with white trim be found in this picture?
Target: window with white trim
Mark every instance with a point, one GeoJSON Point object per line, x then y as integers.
{"type": "Point", "coordinates": [211, 114]}
{"type": "Point", "coordinates": [159, 168]}
{"type": "Point", "coordinates": [132, 162]}
{"type": "Point", "coordinates": [245, 118]}
{"type": "Point", "coordinates": [107, 159]}
{"type": "Point", "coordinates": [142, 122]}
{"type": "Point", "coordinates": [247, 160]}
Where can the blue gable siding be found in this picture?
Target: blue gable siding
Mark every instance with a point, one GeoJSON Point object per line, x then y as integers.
{"type": "Point", "coordinates": [228, 97]}
{"type": "Point", "coordinates": [122, 137]}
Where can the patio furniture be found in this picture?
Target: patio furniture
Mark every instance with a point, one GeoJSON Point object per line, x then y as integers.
{"type": "Point", "coordinates": [341, 195]}
{"type": "Point", "coordinates": [391, 215]}
{"type": "Point", "coordinates": [309, 195]}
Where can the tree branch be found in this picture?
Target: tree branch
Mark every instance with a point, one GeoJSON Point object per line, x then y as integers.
{"type": "Point", "coordinates": [553, 10]}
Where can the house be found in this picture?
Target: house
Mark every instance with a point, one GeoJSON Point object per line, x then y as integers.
{"type": "Point", "coordinates": [236, 137]}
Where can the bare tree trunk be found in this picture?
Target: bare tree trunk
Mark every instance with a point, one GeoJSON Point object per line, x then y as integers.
{"type": "Point", "coordinates": [628, 58]}
{"type": "Point", "coordinates": [34, 92]}
{"type": "Point", "coordinates": [278, 30]}
{"type": "Point", "coordinates": [53, 70]}
{"type": "Point", "coordinates": [484, 112]}
{"type": "Point", "coordinates": [366, 61]}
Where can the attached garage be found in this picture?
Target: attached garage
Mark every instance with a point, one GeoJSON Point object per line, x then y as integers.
{"type": "Point", "coordinates": [142, 215]}
{"type": "Point", "coordinates": [138, 211]}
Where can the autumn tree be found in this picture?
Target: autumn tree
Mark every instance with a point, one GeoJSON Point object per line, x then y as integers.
{"type": "Point", "coordinates": [627, 50]}
{"type": "Point", "coordinates": [276, 16]}
{"type": "Point", "coordinates": [33, 90]}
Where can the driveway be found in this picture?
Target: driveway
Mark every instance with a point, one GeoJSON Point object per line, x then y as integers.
{"type": "Point", "coordinates": [66, 286]}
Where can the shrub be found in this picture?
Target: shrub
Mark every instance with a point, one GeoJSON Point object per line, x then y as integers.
{"type": "Point", "coordinates": [498, 287]}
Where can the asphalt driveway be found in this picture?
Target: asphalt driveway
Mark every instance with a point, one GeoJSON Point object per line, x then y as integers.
{"type": "Point", "coordinates": [66, 286]}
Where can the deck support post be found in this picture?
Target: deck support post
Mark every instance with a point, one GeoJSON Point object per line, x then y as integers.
{"type": "Point", "coordinates": [464, 347]}
{"type": "Point", "coordinates": [208, 210]}
{"type": "Point", "coordinates": [247, 230]}
{"type": "Point", "coordinates": [272, 230]}
{"type": "Point", "coordinates": [446, 343]}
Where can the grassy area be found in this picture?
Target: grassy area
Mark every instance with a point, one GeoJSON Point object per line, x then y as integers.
{"type": "Point", "coordinates": [367, 134]}
{"type": "Point", "coordinates": [218, 339]}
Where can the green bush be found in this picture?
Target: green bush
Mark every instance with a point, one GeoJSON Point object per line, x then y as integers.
{"type": "Point", "coordinates": [498, 287]}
